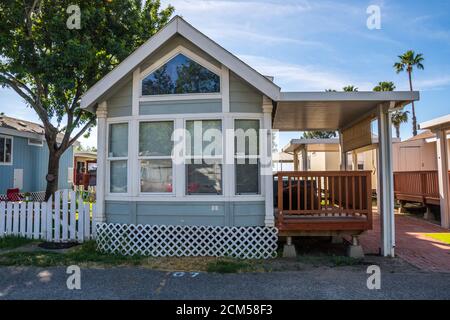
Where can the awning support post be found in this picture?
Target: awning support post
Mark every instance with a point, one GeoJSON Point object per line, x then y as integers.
{"type": "Point", "coordinates": [443, 176]}
{"type": "Point", "coordinates": [385, 197]}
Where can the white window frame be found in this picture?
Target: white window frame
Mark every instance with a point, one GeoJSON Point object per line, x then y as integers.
{"type": "Point", "coordinates": [235, 157]}
{"type": "Point", "coordinates": [111, 159]}
{"type": "Point", "coordinates": [41, 144]}
{"type": "Point", "coordinates": [193, 157]}
{"type": "Point", "coordinates": [139, 158]}
{"type": "Point", "coordinates": [10, 163]}
{"type": "Point", "coordinates": [184, 96]}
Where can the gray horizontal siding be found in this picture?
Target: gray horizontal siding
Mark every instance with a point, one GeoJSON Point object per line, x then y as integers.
{"type": "Point", "coordinates": [244, 98]}
{"type": "Point", "coordinates": [186, 213]}
{"type": "Point", "coordinates": [182, 106]}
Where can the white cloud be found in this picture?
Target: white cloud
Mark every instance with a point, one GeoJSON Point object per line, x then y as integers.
{"type": "Point", "coordinates": [303, 77]}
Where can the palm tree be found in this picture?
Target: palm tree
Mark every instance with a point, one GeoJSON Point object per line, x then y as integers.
{"type": "Point", "coordinates": [385, 86]}
{"type": "Point", "coordinates": [398, 117]}
{"type": "Point", "coordinates": [350, 88]}
{"type": "Point", "coordinates": [407, 62]}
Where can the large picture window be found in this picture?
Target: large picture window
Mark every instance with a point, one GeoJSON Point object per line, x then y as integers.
{"type": "Point", "coordinates": [118, 157]}
{"type": "Point", "coordinates": [5, 150]}
{"type": "Point", "coordinates": [155, 156]}
{"type": "Point", "coordinates": [246, 153]}
{"type": "Point", "coordinates": [203, 154]}
{"type": "Point", "coordinates": [181, 75]}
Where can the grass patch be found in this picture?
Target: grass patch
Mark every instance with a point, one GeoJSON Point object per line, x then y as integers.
{"type": "Point", "coordinates": [229, 266]}
{"type": "Point", "coordinates": [11, 242]}
{"type": "Point", "coordinates": [84, 254]}
{"type": "Point", "coordinates": [444, 237]}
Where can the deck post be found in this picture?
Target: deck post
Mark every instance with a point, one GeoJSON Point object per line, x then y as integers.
{"type": "Point", "coordinates": [101, 163]}
{"type": "Point", "coordinates": [343, 154]}
{"type": "Point", "coordinates": [304, 158]}
{"type": "Point", "coordinates": [269, 219]}
{"type": "Point", "coordinates": [443, 176]}
{"type": "Point", "coordinates": [385, 196]}
{"type": "Point", "coordinates": [296, 160]}
{"type": "Point", "coordinates": [354, 160]}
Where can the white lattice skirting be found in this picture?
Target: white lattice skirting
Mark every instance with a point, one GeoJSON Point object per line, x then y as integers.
{"type": "Point", "coordinates": [179, 241]}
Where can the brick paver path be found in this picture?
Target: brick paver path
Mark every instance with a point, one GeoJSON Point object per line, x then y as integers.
{"type": "Point", "coordinates": [411, 243]}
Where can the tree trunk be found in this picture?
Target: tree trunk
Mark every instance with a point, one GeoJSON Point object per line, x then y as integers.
{"type": "Point", "coordinates": [52, 173]}
{"type": "Point", "coordinates": [414, 120]}
{"type": "Point", "coordinates": [397, 131]}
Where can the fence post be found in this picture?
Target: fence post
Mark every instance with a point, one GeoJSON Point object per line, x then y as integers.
{"type": "Point", "coordinates": [57, 215]}
{"type": "Point", "coordinates": [80, 218]}
{"type": "Point", "coordinates": [50, 219]}
{"type": "Point", "coordinates": [16, 219]}
{"type": "Point", "coordinates": [73, 209]}
{"type": "Point", "coordinates": [64, 213]}
{"type": "Point", "coordinates": [9, 218]}
{"type": "Point", "coordinates": [37, 219]}
{"type": "Point", "coordinates": [43, 233]}
{"type": "Point", "coordinates": [29, 232]}
{"type": "Point", "coordinates": [23, 218]}
{"type": "Point", "coordinates": [2, 218]}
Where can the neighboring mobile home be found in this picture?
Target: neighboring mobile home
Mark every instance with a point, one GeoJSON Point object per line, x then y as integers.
{"type": "Point", "coordinates": [24, 157]}
{"type": "Point", "coordinates": [156, 182]}
{"type": "Point", "coordinates": [416, 170]}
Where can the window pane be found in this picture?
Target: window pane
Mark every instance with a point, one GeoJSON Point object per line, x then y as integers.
{"type": "Point", "coordinates": [181, 75]}
{"type": "Point", "coordinates": [118, 176]}
{"type": "Point", "coordinates": [205, 138]}
{"type": "Point", "coordinates": [155, 138]}
{"type": "Point", "coordinates": [156, 175]}
{"type": "Point", "coordinates": [246, 141]}
{"type": "Point", "coordinates": [247, 177]}
{"type": "Point", "coordinates": [204, 178]}
{"type": "Point", "coordinates": [118, 140]}
{"type": "Point", "coordinates": [8, 150]}
{"type": "Point", "coordinates": [2, 149]}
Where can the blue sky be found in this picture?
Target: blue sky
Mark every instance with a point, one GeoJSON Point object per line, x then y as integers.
{"type": "Point", "coordinates": [318, 44]}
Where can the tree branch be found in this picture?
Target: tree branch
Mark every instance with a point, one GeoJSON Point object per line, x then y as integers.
{"type": "Point", "coordinates": [82, 131]}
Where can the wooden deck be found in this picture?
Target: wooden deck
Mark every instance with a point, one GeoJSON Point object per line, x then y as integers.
{"type": "Point", "coordinates": [417, 186]}
{"type": "Point", "coordinates": [325, 202]}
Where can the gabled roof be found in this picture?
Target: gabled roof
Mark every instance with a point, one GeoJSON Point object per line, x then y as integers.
{"type": "Point", "coordinates": [179, 26]}
{"type": "Point", "coordinates": [23, 128]}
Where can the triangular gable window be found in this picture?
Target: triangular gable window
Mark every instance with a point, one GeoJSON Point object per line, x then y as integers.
{"type": "Point", "coordinates": [181, 75]}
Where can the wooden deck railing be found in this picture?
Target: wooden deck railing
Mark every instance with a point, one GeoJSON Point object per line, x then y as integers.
{"type": "Point", "coordinates": [417, 186]}
{"type": "Point", "coordinates": [325, 200]}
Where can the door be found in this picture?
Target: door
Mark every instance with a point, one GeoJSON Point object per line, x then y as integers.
{"type": "Point", "coordinates": [410, 159]}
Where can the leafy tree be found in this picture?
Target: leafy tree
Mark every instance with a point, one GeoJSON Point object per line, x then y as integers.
{"type": "Point", "coordinates": [398, 117]}
{"type": "Point", "coordinates": [408, 61]}
{"type": "Point", "coordinates": [330, 90]}
{"type": "Point", "coordinates": [350, 88]}
{"type": "Point", "coordinates": [319, 134]}
{"type": "Point", "coordinates": [50, 66]}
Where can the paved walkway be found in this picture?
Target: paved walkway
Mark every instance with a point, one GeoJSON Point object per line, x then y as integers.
{"type": "Point", "coordinates": [411, 243]}
{"type": "Point", "coordinates": [140, 283]}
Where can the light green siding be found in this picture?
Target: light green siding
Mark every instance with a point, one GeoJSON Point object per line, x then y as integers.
{"type": "Point", "coordinates": [244, 98]}
{"type": "Point", "coordinates": [237, 213]}
{"type": "Point", "coordinates": [119, 104]}
{"type": "Point", "coordinates": [183, 106]}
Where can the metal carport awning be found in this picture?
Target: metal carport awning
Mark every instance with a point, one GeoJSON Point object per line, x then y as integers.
{"type": "Point", "coordinates": [304, 111]}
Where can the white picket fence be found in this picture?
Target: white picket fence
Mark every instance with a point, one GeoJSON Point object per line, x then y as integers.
{"type": "Point", "coordinates": [64, 217]}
